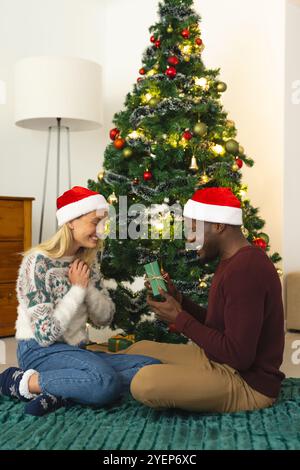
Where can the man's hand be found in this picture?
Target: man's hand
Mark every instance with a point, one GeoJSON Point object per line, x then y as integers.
{"type": "Point", "coordinates": [170, 286]}
{"type": "Point", "coordinates": [166, 311]}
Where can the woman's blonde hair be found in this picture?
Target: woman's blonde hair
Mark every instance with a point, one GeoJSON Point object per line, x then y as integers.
{"type": "Point", "coordinates": [56, 247]}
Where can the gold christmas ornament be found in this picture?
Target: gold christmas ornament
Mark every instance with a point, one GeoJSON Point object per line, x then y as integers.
{"type": "Point", "coordinates": [232, 146]}
{"type": "Point", "coordinates": [221, 87]}
{"type": "Point", "coordinates": [197, 99]}
{"type": "Point", "coordinates": [156, 67]}
{"type": "Point", "coordinates": [170, 29]}
{"type": "Point", "coordinates": [127, 152]}
{"type": "Point", "coordinates": [235, 167]}
{"type": "Point", "coordinates": [202, 284]}
{"type": "Point", "coordinates": [230, 123]}
{"type": "Point", "coordinates": [204, 179]}
{"type": "Point", "coordinates": [154, 102]}
{"type": "Point", "coordinates": [194, 165]}
{"type": "Point", "coordinates": [241, 150]}
{"type": "Point", "coordinates": [200, 129]}
{"type": "Point", "coordinates": [186, 58]}
{"type": "Point", "coordinates": [101, 175]}
{"type": "Point", "coordinates": [112, 199]}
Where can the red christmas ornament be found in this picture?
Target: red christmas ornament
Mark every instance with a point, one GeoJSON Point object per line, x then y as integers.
{"type": "Point", "coordinates": [147, 175]}
{"type": "Point", "coordinates": [119, 143]}
{"type": "Point", "coordinates": [139, 79]}
{"type": "Point", "coordinates": [157, 43]}
{"type": "Point", "coordinates": [142, 71]}
{"type": "Point", "coordinates": [173, 60]}
{"type": "Point", "coordinates": [114, 133]}
{"type": "Point", "coordinates": [172, 328]}
{"type": "Point", "coordinates": [239, 162]}
{"type": "Point", "coordinates": [260, 242]}
{"type": "Point", "coordinates": [152, 39]}
{"type": "Point", "coordinates": [187, 135]}
{"type": "Point", "coordinates": [185, 33]}
{"type": "Point", "coordinates": [198, 41]}
{"type": "Point", "coordinates": [136, 181]}
{"type": "Point", "coordinates": [171, 72]}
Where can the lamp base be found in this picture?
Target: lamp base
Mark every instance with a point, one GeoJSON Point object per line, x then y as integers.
{"type": "Point", "coordinates": [52, 129]}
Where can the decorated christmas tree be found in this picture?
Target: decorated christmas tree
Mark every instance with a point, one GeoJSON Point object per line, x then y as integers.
{"type": "Point", "coordinates": [172, 137]}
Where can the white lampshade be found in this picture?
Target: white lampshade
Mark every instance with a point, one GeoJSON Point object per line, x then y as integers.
{"type": "Point", "coordinates": [47, 88]}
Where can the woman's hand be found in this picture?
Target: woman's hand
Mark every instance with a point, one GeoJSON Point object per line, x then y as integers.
{"type": "Point", "coordinates": [170, 286]}
{"type": "Point", "coordinates": [79, 273]}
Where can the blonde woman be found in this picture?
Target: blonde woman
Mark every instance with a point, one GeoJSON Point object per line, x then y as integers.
{"type": "Point", "coordinates": [59, 289]}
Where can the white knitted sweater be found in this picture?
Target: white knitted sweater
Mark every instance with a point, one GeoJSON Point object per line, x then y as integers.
{"type": "Point", "coordinates": [51, 309]}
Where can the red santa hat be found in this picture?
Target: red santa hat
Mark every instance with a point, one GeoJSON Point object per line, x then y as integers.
{"type": "Point", "coordinates": [76, 202]}
{"type": "Point", "coordinates": [217, 205]}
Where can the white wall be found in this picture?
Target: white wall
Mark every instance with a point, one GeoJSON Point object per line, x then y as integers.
{"type": "Point", "coordinates": [244, 39]}
{"type": "Point", "coordinates": [291, 225]}
{"type": "Point", "coordinates": [45, 27]}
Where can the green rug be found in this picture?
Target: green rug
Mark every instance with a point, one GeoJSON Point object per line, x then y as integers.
{"type": "Point", "coordinates": [129, 425]}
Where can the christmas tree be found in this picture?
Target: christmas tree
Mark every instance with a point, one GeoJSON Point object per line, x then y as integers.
{"type": "Point", "coordinates": [172, 137]}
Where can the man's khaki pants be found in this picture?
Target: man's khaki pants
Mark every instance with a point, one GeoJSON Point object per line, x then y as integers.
{"type": "Point", "coordinates": [187, 379]}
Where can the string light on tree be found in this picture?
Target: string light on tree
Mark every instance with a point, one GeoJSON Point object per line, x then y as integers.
{"type": "Point", "coordinates": [202, 82]}
{"type": "Point", "coordinates": [218, 150]}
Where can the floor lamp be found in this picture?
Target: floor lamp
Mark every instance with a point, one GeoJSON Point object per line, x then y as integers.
{"type": "Point", "coordinates": [57, 94]}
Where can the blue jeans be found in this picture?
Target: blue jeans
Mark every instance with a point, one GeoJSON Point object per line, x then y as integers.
{"type": "Point", "coordinates": [87, 377]}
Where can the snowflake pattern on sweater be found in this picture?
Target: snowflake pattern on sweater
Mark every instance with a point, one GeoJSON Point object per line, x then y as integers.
{"type": "Point", "coordinates": [51, 309]}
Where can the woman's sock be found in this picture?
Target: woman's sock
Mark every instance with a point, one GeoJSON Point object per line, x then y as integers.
{"type": "Point", "coordinates": [14, 383]}
{"type": "Point", "coordinates": [43, 404]}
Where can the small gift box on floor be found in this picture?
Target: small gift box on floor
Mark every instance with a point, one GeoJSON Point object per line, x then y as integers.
{"type": "Point", "coordinates": [119, 342]}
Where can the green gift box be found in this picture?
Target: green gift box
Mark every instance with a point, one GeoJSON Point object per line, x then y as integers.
{"type": "Point", "coordinates": [119, 342]}
{"type": "Point", "coordinates": [155, 278]}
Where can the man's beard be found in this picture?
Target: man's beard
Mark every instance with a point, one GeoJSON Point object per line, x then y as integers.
{"type": "Point", "coordinates": [206, 256]}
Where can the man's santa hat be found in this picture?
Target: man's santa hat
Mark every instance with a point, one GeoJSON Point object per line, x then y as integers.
{"type": "Point", "coordinates": [217, 205]}
{"type": "Point", "coordinates": [76, 202]}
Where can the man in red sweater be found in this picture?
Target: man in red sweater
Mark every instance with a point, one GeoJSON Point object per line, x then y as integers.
{"type": "Point", "coordinates": [232, 362]}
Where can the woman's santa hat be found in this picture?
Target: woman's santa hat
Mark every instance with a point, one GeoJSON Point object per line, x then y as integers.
{"type": "Point", "coordinates": [76, 202]}
{"type": "Point", "coordinates": [217, 205]}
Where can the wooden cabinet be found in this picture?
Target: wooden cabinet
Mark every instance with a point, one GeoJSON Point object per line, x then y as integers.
{"type": "Point", "coordinates": [15, 237]}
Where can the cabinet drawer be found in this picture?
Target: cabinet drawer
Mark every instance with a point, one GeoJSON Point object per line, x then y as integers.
{"type": "Point", "coordinates": [11, 220]}
{"type": "Point", "coordinates": [10, 260]}
{"type": "Point", "coordinates": [8, 309]}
